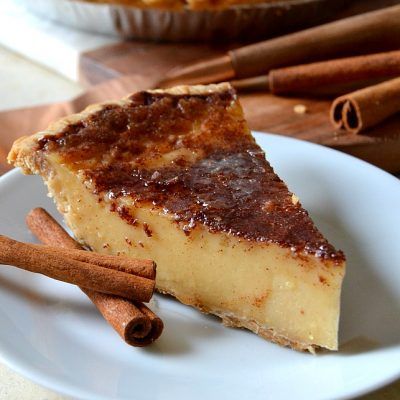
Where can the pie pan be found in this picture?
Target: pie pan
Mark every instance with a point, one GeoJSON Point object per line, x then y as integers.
{"type": "Point", "coordinates": [242, 22]}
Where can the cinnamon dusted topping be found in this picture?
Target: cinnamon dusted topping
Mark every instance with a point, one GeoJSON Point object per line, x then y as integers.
{"type": "Point", "coordinates": [187, 156]}
{"type": "Point", "coordinates": [147, 230]}
{"type": "Point", "coordinates": [124, 213]}
{"type": "Point", "coordinates": [323, 280]}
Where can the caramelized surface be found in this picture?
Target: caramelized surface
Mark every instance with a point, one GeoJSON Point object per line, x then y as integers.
{"type": "Point", "coordinates": [192, 157]}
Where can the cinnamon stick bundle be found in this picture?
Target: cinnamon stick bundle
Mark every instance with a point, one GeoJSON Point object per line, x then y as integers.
{"type": "Point", "coordinates": [65, 266]}
{"type": "Point", "coordinates": [359, 34]}
{"type": "Point", "coordinates": [134, 322]}
{"type": "Point", "coordinates": [367, 107]}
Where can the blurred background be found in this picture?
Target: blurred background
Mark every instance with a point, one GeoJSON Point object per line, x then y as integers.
{"type": "Point", "coordinates": [54, 50]}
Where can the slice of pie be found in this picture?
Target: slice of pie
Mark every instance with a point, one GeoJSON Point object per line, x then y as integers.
{"type": "Point", "coordinates": [176, 176]}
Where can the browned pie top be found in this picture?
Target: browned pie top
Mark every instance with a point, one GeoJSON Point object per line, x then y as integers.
{"type": "Point", "coordinates": [193, 157]}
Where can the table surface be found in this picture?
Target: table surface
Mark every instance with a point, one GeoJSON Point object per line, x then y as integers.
{"type": "Point", "coordinates": [40, 85]}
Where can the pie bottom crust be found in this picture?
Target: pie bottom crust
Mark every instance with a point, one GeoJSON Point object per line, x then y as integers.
{"type": "Point", "coordinates": [233, 321]}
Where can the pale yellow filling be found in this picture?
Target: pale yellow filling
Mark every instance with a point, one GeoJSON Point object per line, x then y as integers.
{"type": "Point", "coordinates": [297, 297]}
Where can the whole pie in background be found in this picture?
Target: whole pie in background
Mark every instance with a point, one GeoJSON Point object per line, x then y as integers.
{"type": "Point", "coordinates": [179, 4]}
{"type": "Point", "coordinates": [187, 20]}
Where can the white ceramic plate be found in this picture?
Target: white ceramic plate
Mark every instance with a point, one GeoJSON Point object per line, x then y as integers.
{"type": "Point", "coordinates": [51, 333]}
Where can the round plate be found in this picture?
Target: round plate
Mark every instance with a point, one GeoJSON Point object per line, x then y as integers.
{"type": "Point", "coordinates": [51, 333]}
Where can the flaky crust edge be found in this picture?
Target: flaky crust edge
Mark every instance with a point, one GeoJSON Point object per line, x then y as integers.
{"type": "Point", "coordinates": [22, 153]}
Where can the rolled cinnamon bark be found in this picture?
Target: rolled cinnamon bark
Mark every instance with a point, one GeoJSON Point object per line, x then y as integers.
{"type": "Point", "coordinates": [47, 261]}
{"type": "Point", "coordinates": [367, 107]}
{"type": "Point", "coordinates": [135, 323]}
{"type": "Point", "coordinates": [307, 77]}
{"type": "Point", "coordinates": [157, 325]}
{"type": "Point", "coordinates": [142, 268]}
{"type": "Point", "coordinates": [48, 230]}
{"type": "Point", "coordinates": [337, 76]}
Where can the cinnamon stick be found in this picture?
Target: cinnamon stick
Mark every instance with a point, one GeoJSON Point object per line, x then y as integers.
{"type": "Point", "coordinates": [49, 231]}
{"type": "Point", "coordinates": [333, 76]}
{"type": "Point", "coordinates": [304, 78]}
{"type": "Point", "coordinates": [142, 268]}
{"type": "Point", "coordinates": [367, 107]}
{"type": "Point", "coordinates": [135, 323]}
{"type": "Point", "coordinates": [46, 261]}
{"type": "Point", "coordinates": [129, 322]}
